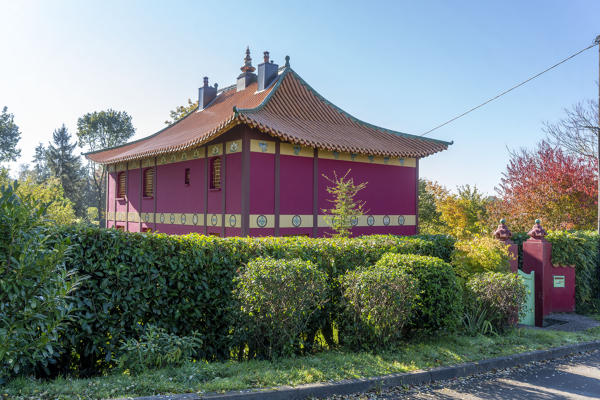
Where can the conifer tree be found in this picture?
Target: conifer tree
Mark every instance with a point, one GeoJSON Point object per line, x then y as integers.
{"type": "Point", "coordinates": [66, 166]}
{"type": "Point", "coordinates": [9, 137]}
{"type": "Point", "coordinates": [40, 166]}
{"type": "Point", "coordinates": [345, 208]}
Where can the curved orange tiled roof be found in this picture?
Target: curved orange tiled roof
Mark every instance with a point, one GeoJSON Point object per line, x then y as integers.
{"type": "Point", "coordinates": [289, 109]}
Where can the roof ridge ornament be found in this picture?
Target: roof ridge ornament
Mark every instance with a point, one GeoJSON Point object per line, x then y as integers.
{"type": "Point", "coordinates": [247, 67]}
{"type": "Point", "coordinates": [287, 61]}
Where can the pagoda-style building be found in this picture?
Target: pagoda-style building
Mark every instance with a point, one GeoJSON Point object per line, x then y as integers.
{"type": "Point", "coordinates": [251, 160]}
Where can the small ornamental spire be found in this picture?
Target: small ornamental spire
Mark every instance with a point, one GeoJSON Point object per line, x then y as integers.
{"type": "Point", "coordinates": [537, 232]}
{"type": "Point", "coordinates": [502, 232]}
{"type": "Point", "coordinates": [287, 61]}
{"type": "Point", "coordinates": [247, 62]}
{"type": "Point", "coordinates": [266, 56]}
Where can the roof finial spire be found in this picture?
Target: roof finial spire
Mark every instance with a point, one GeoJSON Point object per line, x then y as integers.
{"type": "Point", "coordinates": [287, 61]}
{"type": "Point", "coordinates": [247, 62]}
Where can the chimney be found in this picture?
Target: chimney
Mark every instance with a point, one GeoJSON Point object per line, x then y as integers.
{"type": "Point", "coordinates": [247, 76]}
{"type": "Point", "coordinates": [267, 72]}
{"type": "Point", "coordinates": [206, 94]}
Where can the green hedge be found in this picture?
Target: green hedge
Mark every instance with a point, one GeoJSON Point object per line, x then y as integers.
{"type": "Point", "coordinates": [579, 248]}
{"type": "Point", "coordinates": [185, 283]}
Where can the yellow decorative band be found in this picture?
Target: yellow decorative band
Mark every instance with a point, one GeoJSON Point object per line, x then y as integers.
{"type": "Point", "coordinates": [190, 219]}
{"type": "Point", "coordinates": [262, 146]}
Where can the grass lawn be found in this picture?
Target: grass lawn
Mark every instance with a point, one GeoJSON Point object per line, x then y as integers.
{"type": "Point", "coordinates": [326, 366]}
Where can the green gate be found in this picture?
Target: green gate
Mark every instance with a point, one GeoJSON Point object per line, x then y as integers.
{"type": "Point", "coordinates": [529, 281]}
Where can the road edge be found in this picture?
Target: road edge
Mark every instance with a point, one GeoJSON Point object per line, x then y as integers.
{"type": "Point", "coordinates": [351, 386]}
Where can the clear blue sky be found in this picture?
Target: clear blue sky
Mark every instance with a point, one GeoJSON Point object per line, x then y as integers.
{"type": "Point", "coordinates": [404, 65]}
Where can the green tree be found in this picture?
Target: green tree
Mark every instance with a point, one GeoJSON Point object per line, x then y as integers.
{"type": "Point", "coordinates": [100, 130]}
{"type": "Point", "coordinates": [59, 209]}
{"type": "Point", "coordinates": [465, 213]}
{"type": "Point", "coordinates": [9, 137]}
{"type": "Point", "coordinates": [34, 284]}
{"type": "Point", "coordinates": [66, 166]}
{"type": "Point", "coordinates": [430, 194]}
{"type": "Point", "coordinates": [345, 208]}
{"type": "Point", "coordinates": [40, 166]}
{"type": "Point", "coordinates": [181, 112]}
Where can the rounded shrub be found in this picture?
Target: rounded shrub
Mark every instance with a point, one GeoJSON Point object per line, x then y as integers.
{"type": "Point", "coordinates": [439, 295]}
{"type": "Point", "coordinates": [380, 301]}
{"type": "Point", "coordinates": [499, 297]}
{"type": "Point", "coordinates": [278, 299]}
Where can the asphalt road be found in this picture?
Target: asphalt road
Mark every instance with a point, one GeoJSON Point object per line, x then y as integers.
{"type": "Point", "coordinates": [573, 377]}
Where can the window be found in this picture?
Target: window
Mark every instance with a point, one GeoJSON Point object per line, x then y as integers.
{"type": "Point", "coordinates": [149, 182]}
{"type": "Point", "coordinates": [121, 185]}
{"type": "Point", "coordinates": [186, 178]}
{"type": "Point", "coordinates": [215, 173]}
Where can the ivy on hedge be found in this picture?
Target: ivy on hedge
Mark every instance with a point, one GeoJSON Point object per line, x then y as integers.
{"type": "Point", "coordinates": [580, 249]}
{"type": "Point", "coordinates": [185, 283]}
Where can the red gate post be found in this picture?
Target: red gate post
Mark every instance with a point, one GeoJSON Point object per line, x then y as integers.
{"type": "Point", "coordinates": [503, 234]}
{"type": "Point", "coordinates": [537, 252]}
{"type": "Point", "coordinates": [554, 285]}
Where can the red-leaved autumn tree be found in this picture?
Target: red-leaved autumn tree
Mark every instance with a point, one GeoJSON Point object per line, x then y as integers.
{"type": "Point", "coordinates": [546, 183]}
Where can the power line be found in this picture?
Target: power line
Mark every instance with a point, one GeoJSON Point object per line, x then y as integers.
{"type": "Point", "coordinates": [509, 90]}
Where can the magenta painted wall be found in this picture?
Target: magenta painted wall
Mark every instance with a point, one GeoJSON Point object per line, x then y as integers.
{"type": "Point", "coordinates": [172, 194]}
{"type": "Point", "coordinates": [262, 188]}
{"type": "Point", "coordinates": [296, 185]}
{"type": "Point", "coordinates": [234, 183]}
{"type": "Point", "coordinates": [390, 189]}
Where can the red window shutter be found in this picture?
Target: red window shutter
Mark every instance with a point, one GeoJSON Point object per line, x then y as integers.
{"type": "Point", "coordinates": [149, 182]}
{"type": "Point", "coordinates": [215, 173]}
{"type": "Point", "coordinates": [121, 185]}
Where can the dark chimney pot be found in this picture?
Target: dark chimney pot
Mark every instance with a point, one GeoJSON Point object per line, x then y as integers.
{"type": "Point", "coordinates": [267, 72]}
{"type": "Point", "coordinates": [206, 94]}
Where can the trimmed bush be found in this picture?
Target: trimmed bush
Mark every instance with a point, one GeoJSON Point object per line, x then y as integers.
{"type": "Point", "coordinates": [380, 301]}
{"type": "Point", "coordinates": [278, 299]}
{"type": "Point", "coordinates": [497, 296]}
{"type": "Point", "coordinates": [480, 254]}
{"type": "Point", "coordinates": [439, 294]}
{"type": "Point", "coordinates": [156, 348]}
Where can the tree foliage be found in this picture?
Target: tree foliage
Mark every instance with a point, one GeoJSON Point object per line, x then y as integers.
{"type": "Point", "coordinates": [345, 208]}
{"type": "Point", "coordinates": [66, 166]}
{"type": "Point", "coordinates": [549, 184]}
{"type": "Point", "coordinates": [462, 214]}
{"type": "Point", "coordinates": [100, 130]}
{"type": "Point", "coordinates": [59, 210]}
{"type": "Point", "coordinates": [577, 132]}
{"type": "Point", "coordinates": [430, 195]}
{"type": "Point", "coordinates": [9, 137]}
{"type": "Point", "coordinates": [181, 112]}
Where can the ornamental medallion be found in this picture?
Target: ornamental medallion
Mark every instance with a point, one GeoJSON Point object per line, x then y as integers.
{"type": "Point", "coordinates": [261, 221]}
{"type": "Point", "coordinates": [296, 221]}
